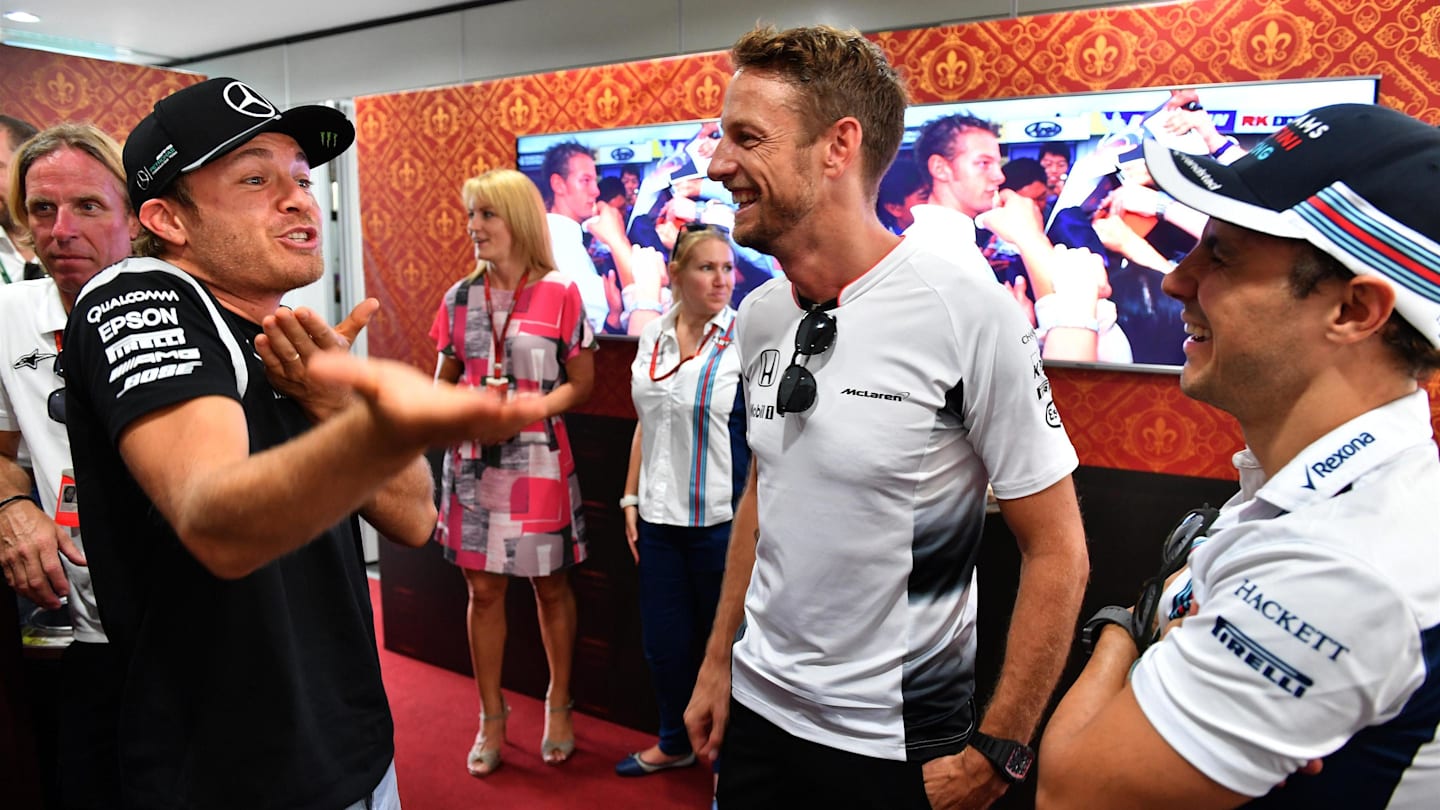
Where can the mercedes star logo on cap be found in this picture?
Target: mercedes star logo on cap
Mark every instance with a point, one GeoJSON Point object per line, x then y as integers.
{"type": "Point", "coordinates": [248, 102]}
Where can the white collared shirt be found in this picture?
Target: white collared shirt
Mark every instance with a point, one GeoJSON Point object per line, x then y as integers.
{"type": "Point", "coordinates": [1317, 631]}
{"type": "Point", "coordinates": [567, 242]}
{"type": "Point", "coordinates": [688, 472]}
{"type": "Point", "coordinates": [12, 264]}
{"type": "Point", "coordinates": [32, 319]}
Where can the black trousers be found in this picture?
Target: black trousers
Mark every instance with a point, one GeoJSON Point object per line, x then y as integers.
{"type": "Point", "coordinates": [766, 767]}
{"type": "Point", "coordinates": [89, 757]}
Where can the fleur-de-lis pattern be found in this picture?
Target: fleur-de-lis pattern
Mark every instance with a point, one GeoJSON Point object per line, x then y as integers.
{"type": "Point", "coordinates": [47, 88]}
{"type": "Point", "coordinates": [416, 148]}
{"type": "Point", "coordinates": [1116, 419]}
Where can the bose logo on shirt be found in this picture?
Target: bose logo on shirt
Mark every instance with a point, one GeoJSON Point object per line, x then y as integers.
{"type": "Point", "coordinates": [1337, 458]}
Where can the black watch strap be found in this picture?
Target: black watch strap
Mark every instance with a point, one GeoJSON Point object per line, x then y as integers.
{"type": "Point", "coordinates": [1012, 760]}
{"type": "Point", "coordinates": [1110, 614]}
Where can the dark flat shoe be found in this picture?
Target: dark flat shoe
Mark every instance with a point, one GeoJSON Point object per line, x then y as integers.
{"type": "Point", "coordinates": [633, 765]}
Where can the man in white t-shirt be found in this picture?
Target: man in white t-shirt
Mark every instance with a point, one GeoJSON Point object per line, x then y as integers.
{"type": "Point", "coordinates": [1300, 663]}
{"type": "Point", "coordinates": [572, 192]}
{"type": "Point", "coordinates": [886, 383]}
{"type": "Point", "coordinates": [70, 193]}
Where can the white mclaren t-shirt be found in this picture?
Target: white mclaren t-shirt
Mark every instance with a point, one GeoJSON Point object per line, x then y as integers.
{"type": "Point", "coordinates": [860, 616]}
{"type": "Point", "coordinates": [1318, 626]}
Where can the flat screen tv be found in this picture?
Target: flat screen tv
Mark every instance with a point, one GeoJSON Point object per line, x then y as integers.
{"type": "Point", "coordinates": [1072, 150]}
{"type": "Point", "coordinates": [1078, 142]}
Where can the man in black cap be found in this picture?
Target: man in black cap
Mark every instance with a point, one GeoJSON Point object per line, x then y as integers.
{"type": "Point", "coordinates": [219, 478]}
{"type": "Point", "coordinates": [1299, 657]}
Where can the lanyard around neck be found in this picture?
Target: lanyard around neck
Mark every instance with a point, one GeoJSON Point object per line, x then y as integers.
{"type": "Point", "coordinates": [672, 372]}
{"type": "Point", "coordinates": [497, 357]}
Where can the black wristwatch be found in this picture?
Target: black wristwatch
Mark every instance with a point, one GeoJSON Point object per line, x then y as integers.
{"type": "Point", "coordinates": [1012, 760]}
{"type": "Point", "coordinates": [1110, 614]}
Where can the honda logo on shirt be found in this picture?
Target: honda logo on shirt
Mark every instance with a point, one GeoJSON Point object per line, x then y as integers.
{"type": "Point", "coordinates": [769, 361]}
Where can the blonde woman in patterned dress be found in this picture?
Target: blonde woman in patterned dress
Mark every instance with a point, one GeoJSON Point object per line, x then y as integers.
{"type": "Point", "coordinates": [510, 504]}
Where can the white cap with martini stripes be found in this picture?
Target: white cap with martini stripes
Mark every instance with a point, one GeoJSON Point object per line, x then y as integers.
{"type": "Point", "coordinates": [1360, 182]}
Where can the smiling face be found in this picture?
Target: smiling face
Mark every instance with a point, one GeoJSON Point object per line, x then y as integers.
{"type": "Point", "coordinates": [254, 233]}
{"type": "Point", "coordinates": [1249, 336]}
{"type": "Point", "coordinates": [707, 277]}
{"type": "Point", "coordinates": [80, 218]}
{"type": "Point", "coordinates": [764, 163]}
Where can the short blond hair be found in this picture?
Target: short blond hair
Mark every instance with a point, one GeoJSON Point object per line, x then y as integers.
{"type": "Point", "coordinates": [517, 200]}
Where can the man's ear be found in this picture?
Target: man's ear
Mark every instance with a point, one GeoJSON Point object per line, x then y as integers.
{"type": "Point", "coordinates": [132, 226]}
{"type": "Point", "coordinates": [843, 144]}
{"type": "Point", "coordinates": [162, 218]}
{"type": "Point", "coordinates": [557, 183]}
{"type": "Point", "coordinates": [939, 168]}
{"type": "Point", "coordinates": [1365, 305]}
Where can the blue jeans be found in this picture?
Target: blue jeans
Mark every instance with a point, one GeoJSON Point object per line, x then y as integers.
{"type": "Point", "coordinates": [680, 572]}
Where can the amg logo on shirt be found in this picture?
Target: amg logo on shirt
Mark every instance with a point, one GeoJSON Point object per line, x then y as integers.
{"type": "Point", "coordinates": [1270, 666]}
{"type": "Point", "coordinates": [164, 339]}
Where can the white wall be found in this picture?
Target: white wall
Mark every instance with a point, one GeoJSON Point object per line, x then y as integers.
{"type": "Point", "coordinates": [537, 36]}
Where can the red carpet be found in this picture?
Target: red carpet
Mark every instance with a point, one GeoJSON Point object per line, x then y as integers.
{"type": "Point", "coordinates": [435, 722]}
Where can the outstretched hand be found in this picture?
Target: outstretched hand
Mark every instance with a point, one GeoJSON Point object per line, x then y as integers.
{"type": "Point", "coordinates": [414, 412]}
{"type": "Point", "coordinates": [292, 337]}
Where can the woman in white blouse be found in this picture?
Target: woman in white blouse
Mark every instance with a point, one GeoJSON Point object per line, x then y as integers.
{"type": "Point", "coordinates": [688, 463]}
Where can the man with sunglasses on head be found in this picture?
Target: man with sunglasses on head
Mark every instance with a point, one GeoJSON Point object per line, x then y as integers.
{"type": "Point", "coordinates": [67, 192]}
{"type": "Point", "coordinates": [885, 383]}
{"type": "Point", "coordinates": [1300, 659]}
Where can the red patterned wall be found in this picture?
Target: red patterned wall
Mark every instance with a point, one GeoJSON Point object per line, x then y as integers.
{"type": "Point", "coordinates": [47, 88]}
{"type": "Point", "coordinates": [415, 149]}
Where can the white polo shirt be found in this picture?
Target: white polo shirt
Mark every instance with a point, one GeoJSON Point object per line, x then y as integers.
{"type": "Point", "coordinates": [860, 616]}
{"type": "Point", "coordinates": [688, 473]}
{"type": "Point", "coordinates": [32, 323]}
{"type": "Point", "coordinates": [1318, 625]}
{"type": "Point", "coordinates": [12, 264]}
{"type": "Point", "coordinates": [567, 242]}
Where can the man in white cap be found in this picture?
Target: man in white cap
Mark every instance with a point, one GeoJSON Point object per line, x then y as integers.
{"type": "Point", "coordinates": [1300, 659]}
{"type": "Point", "coordinates": [220, 480]}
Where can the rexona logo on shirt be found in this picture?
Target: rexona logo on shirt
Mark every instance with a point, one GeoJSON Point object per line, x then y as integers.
{"type": "Point", "coordinates": [1335, 460]}
{"type": "Point", "coordinates": [860, 392]}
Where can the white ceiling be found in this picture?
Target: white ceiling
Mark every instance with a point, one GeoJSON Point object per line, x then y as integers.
{"type": "Point", "coordinates": [166, 31]}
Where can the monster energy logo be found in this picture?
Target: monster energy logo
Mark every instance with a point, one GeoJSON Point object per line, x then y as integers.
{"type": "Point", "coordinates": [329, 139]}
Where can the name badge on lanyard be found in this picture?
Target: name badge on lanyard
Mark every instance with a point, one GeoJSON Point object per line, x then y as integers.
{"type": "Point", "coordinates": [67, 501]}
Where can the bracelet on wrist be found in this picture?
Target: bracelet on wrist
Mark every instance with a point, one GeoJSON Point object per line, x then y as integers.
{"type": "Point", "coordinates": [629, 500]}
{"type": "Point", "coordinates": [13, 498]}
{"type": "Point", "coordinates": [1224, 147]}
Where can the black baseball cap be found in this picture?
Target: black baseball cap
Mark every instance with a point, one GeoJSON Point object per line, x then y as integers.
{"type": "Point", "coordinates": [191, 127]}
{"type": "Point", "coordinates": [1358, 181]}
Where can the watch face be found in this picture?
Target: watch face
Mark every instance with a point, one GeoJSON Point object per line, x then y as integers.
{"type": "Point", "coordinates": [1019, 762]}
